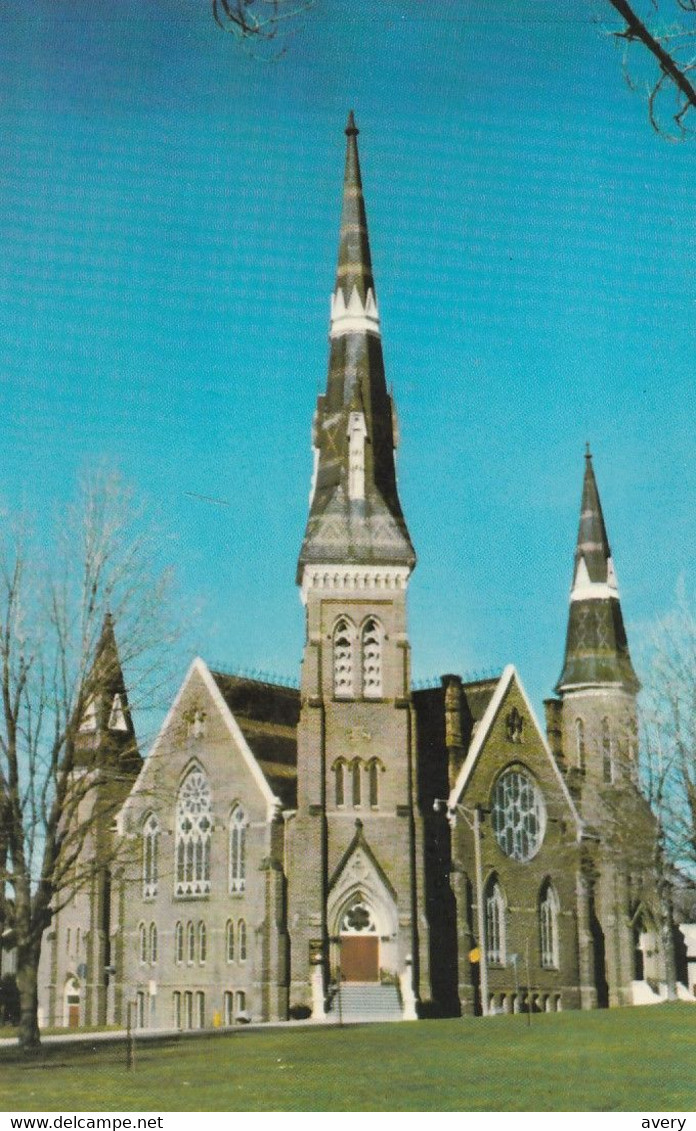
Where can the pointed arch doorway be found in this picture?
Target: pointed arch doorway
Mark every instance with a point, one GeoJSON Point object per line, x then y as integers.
{"type": "Point", "coordinates": [359, 944]}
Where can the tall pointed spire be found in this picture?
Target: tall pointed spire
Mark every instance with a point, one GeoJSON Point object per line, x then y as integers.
{"type": "Point", "coordinates": [106, 734]}
{"type": "Point", "coordinates": [355, 514]}
{"type": "Point", "coordinates": [596, 645]}
{"type": "Point", "coordinates": [354, 261]}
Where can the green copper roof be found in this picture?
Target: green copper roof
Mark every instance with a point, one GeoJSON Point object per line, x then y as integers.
{"type": "Point", "coordinates": [370, 530]}
{"type": "Point", "coordinates": [596, 646]}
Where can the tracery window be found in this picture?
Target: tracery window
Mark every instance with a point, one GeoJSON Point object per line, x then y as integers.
{"type": "Point", "coordinates": [358, 919]}
{"type": "Point", "coordinates": [343, 674]}
{"type": "Point", "coordinates": [238, 824]}
{"type": "Point", "coordinates": [607, 759]}
{"type": "Point", "coordinates": [193, 833]}
{"type": "Point", "coordinates": [580, 743]}
{"type": "Point", "coordinates": [202, 943]}
{"type": "Point", "coordinates": [150, 854]}
{"type": "Point", "coordinates": [179, 943]}
{"type": "Point", "coordinates": [190, 943]}
{"type": "Point", "coordinates": [495, 924]}
{"type": "Point", "coordinates": [548, 927]}
{"type": "Point", "coordinates": [229, 940]}
{"type": "Point", "coordinates": [518, 814]}
{"type": "Point", "coordinates": [242, 940]}
{"type": "Point", "coordinates": [153, 943]}
{"type": "Point", "coordinates": [371, 653]}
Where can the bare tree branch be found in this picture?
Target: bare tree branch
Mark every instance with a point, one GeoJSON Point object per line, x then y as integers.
{"type": "Point", "coordinates": [60, 785]}
{"type": "Point", "coordinates": [666, 46]}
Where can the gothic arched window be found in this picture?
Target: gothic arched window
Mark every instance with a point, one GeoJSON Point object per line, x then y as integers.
{"type": "Point", "coordinates": [150, 852]}
{"type": "Point", "coordinates": [179, 943]}
{"type": "Point", "coordinates": [356, 776]}
{"type": "Point", "coordinates": [202, 943]}
{"type": "Point", "coordinates": [340, 772]}
{"type": "Point", "coordinates": [142, 942]}
{"type": "Point", "coordinates": [194, 826]}
{"type": "Point", "coordinates": [153, 943]}
{"type": "Point", "coordinates": [580, 744]}
{"type": "Point", "coordinates": [548, 927]}
{"type": "Point", "coordinates": [117, 717]}
{"type": "Point", "coordinates": [373, 770]}
{"type": "Point", "coordinates": [607, 760]}
{"type": "Point", "coordinates": [229, 941]}
{"type": "Point", "coordinates": [190, 943]}
{"type": "Point", "coordinates": [343, 674]}
{"type": "Point", "coordinates": [242, 940]}
{"type": "Point", "coordinates": [371, 654]}
{"type": "Point", "coordinates": [495, 924]}
{"type": "Point", "coordinates": [238, 824]}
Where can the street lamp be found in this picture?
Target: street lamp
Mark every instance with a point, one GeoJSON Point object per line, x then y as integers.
{"type": "Point", "coordinates": [472, 817]}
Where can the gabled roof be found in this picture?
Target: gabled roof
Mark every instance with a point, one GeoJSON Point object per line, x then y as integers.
{"type": "Point", "coordinates": [267, 715]}
{"type": "Point", "coordinates": [359, 841]}
{"type": "Point", "coordinates": [483, 731]}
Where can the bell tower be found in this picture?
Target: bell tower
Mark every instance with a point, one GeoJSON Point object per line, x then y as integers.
{"type": "Point", "coordinates": [598, 689]}
{"type": "Point", "coordinates": [353, 890]}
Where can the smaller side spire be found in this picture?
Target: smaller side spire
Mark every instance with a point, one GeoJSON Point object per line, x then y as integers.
{"type": "Point", "coordinates": [106, 734]}
{"type": "Point", "coordinates": [596, 645]}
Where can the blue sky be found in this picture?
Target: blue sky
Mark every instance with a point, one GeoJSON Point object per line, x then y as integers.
{"type": "Point", "coordinates": [169, 209]}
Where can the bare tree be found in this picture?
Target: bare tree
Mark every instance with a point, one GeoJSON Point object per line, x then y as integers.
{"type": "Point", "coordinates": [59, 787]}
{"type": "Point", "coordinates": [669, 733]}
{"type": "Point", "coordinates": [665, 34]}
{"type": "Point", "coordinates": [257, 21]}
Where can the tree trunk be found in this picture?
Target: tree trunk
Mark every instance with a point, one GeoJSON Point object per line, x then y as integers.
{"type": "Point", "coordinates": [28, 986]}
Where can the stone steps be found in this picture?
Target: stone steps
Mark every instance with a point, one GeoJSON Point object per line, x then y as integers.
{"type": "Point", "coordinates": [366, 1001]}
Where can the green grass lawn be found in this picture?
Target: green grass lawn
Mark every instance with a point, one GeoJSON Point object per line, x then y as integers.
{"type": "Point", "coordinates": [617, 1060]}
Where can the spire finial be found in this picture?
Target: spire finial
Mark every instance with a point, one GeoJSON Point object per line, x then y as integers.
{"type": "Point", "coordinates": [588, 453]}
{"type": "Point", "coordinates": [351, 128]}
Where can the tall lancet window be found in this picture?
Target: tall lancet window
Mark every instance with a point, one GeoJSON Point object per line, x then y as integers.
{"type": "Point", "coordinates": [548, 927]}
{"type": "Point", "coordinates": [117, 718]}
{"type": "Point", "coordinates": [580, 743]}
{"type": "Point", "coordinates": [357, 433]}
{"type": "Point", "coordinates": [356, 778]}
{"type": "Point", "coordinates": [607, 759]}
{"type": "Point", "coordinates": [238, 824]}
{"type": "Point", "coordinates": [495, 924]}
{"type": "Point", "coordinates": [194, 826]}
{"type": "Point", "coordinates": [150, 855]}
{"type": "Point", "coordinates": [343, 659]}
{"type": "Point", "coordinates": [371, 652]}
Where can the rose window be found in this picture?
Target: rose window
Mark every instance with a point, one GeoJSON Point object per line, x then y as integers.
{"type": "Point", "coordinates": [358, 920]}
{"type": "Point", "coordinates": [518, 814]}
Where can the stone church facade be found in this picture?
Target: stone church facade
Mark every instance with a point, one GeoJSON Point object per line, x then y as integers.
{"type": "Point", "coordinates": [358, 849]}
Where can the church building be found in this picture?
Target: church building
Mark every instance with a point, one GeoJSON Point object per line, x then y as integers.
{"type": "Point", "coordinates": [356, 849]}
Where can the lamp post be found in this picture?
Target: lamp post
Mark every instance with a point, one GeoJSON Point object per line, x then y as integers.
{"type": "Point", "coordinates": [472, 817]}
